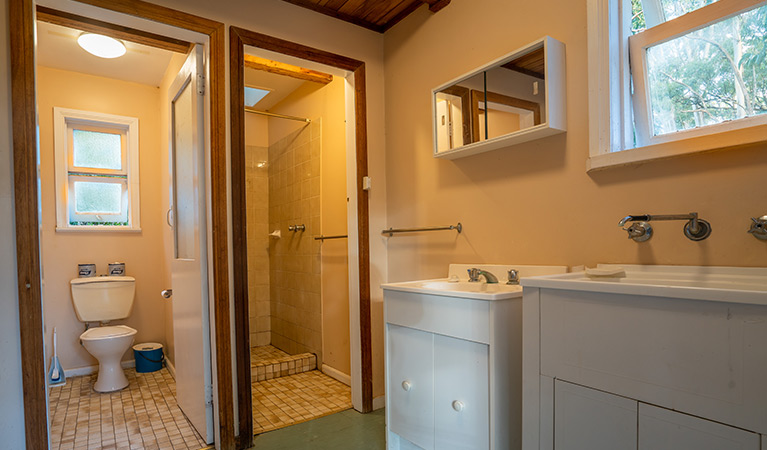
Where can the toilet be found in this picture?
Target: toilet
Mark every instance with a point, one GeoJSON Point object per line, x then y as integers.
{"type": "Point", "coordinates": [101, 300]}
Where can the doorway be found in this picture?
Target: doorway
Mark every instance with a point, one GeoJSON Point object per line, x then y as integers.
{"type": "Point", "coordinates": [290, 298]}
{"type": "Point", "coordinates": [33, 353]}
{"type": "Point", "coordinates": [117, 135]}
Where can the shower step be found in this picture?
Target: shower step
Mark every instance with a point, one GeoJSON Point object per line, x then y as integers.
{"type": "Point", "coordinates": [283, 366]}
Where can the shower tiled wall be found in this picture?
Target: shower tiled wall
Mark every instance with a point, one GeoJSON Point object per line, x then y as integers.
{"type": "Point", "coordinates": [257, 197]}
{"type": "Point", "coordinates": [294, 272]}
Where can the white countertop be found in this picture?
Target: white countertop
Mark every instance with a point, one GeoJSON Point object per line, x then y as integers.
{"type": "Point", "coordinates": [723, 284]}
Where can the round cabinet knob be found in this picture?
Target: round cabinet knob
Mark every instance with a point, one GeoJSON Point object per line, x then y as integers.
{"type": "Point", "coordinates": [458, 405]}
{"type": "Point", "coordinates": [406, 385]}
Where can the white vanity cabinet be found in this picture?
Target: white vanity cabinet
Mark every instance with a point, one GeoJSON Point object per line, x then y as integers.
{"type": "Point", "coordinates": [676, 351]}
{"type": "Point", "coordinates": [454, 360]}
{"type": "Point", "coordinates": [587, 419]}
{"type": "Point", "coordinates": [438, 388]}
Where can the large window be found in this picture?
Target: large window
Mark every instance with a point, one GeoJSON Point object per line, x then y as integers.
{"type": "Point", "coordinates": [96, 171]}
{"type": "Point", "coordinates": [675, 76]}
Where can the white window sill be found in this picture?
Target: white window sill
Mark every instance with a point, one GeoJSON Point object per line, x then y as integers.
{"type": "Point", "coordinates": [719, 141]}
{"type": "Point", "coordinates": [97, 229]}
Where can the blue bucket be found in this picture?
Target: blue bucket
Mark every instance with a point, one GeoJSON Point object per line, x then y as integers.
{"type": "Point", "coordinates": [149, 357]}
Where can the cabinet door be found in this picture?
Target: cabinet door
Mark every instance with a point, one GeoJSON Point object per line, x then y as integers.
{"type": "Point", "coordinates": [587, 419]}
{"type": "Point", "coordinates": [410, 385]}
{"type": "Point", "coordinates": [461, 394]}
{"type": "Point", "coordinates": [663, 429]}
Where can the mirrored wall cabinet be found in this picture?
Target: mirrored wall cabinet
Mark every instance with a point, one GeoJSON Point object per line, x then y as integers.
{"type": "Point", "coordinates": [516, 98]}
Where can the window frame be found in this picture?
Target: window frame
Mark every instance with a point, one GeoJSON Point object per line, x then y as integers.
{"type": "Point", "coordinates": [65, 121]}
{"type": "Point", "coordinates": [611, 108]}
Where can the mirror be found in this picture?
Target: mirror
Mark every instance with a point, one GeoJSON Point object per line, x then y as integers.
{"type": "Point", "coordinates": [504, 99]}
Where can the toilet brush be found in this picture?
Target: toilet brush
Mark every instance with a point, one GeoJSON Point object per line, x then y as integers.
{"type": "Point", "coordinates": [56, 374]}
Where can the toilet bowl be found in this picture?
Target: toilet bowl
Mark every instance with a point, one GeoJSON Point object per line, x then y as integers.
{"type": "Point", "coordinates": [107, 345]}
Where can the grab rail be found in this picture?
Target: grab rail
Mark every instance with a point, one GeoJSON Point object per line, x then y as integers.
{"type": "Point", "coordinates": [391, 231]}
{"type": "Point", "coordinates": [338, 236]}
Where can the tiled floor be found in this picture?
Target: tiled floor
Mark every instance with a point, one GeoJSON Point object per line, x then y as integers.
{"type": "Point", "coordinates": [293, 399]}
{"type": "Point", "coordinates": [142, 416]}
{"type": "Point", "coordinates": [267, 362]}
{"type": "Point", "coordinates": [265, 353]}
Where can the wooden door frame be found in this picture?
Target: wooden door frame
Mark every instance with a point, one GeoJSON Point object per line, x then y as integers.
{"type": "Point", "coordinates": [24, 102]}
{"type": "Point", "coordinates": [238, 38]}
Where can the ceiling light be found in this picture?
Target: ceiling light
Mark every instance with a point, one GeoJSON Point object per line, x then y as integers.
{"type": "Point", "coordinates": [101, 46]}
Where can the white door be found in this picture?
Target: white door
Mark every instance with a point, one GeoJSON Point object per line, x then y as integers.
{"type": "Point", "coordinates": [187, 217]}
{"type": "Point", "coordinates": [461, 394]}
{"type": "Point", "coordinates": [410, 386]}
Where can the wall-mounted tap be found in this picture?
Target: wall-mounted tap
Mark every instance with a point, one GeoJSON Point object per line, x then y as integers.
{"type": "Point", "coordinates": [475, 273]}
{"type": "Point", "coordinates": [695, 229]}
{"type": "Point", "coordinates": [759, 227]}
{"type": "Point", "coordinates": [297, 227]}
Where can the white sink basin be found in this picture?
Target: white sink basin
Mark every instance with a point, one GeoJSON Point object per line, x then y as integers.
{"type": "Point", "coordinates": [723, 284]}
{"type": "Point", "coordinates": [479, 290]}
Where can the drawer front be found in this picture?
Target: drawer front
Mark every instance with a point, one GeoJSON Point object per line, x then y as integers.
{"type": "Point", "coordinates": [662, 429]}
{"type": "Point", "coordinates": [461, 394]}
{"type": "Point", "coordinates": [453, 316]}
{"type": "Point", "coordinates": [410, 384]}
{"type": "Point", "coordinates": [587, 419]}
{"type": "Point", "coordinates": [703, 358]}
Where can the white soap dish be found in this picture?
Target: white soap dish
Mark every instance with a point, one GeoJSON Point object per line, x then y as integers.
{"type": "Point", "coordinates": [615, 271]}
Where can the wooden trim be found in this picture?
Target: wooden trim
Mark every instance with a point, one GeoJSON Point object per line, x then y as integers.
{"type": "Point", "coordinates": [436, 5]}
{"type": "Point", "coordinates": [289, 70]}
{"type": "Point", "coordinates": [25, 179]}
{"type": "Point", "coordinates": [524, 71]}
{"type": "Point", "coordinates": [22, 47]}
{"type": "Point", "coordinates": [494, 97]}
{"type": "Point", "coordinates": [240, 238]}
{"type": "Point", "coordinates": [467, 112]}
{"type": "Point", "coordinates": [238, 38]}
{"type": "Point", "coordinates": [363, 234]}
{"type": "Point", "coordinates": [108, 29]}
{"type": "Point", "coordinates": [339, 15]}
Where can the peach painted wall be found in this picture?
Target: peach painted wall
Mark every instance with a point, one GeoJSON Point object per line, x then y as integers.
{"type": "Point", "coordinates": [325, 105]}
{"type": "Point", "coordinates": [534, 203]}
{"type": "Point", "coordinates": [62, 251]}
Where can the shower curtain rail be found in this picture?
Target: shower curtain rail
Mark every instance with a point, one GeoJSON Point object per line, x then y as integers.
{"type": "Point", "coordinates": [275, 115]}
{"type": "Point", "coordinates": [322, 238]}
{"type": "Point", "coordinates": [458, 227]}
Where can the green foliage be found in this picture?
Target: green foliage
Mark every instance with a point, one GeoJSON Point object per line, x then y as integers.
{"type": "Point", "coordinates": [99, 224]}
{"type": "Point", "coordinates": [711, 75]}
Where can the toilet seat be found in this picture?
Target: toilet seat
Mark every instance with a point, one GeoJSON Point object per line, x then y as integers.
{"type": "Point", "coordinates": [109, 332]}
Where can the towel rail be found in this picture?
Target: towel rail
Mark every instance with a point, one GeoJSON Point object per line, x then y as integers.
{"type": "Point", "coordinates": [322, 238]}
{"type": "Point", "coordinates": [392, 231]}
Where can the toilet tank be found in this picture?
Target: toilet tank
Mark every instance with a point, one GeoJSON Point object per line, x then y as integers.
{"type": "Point", "coordinates": [101, 299]}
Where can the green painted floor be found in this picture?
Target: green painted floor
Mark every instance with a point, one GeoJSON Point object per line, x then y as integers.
{"type": "Point", "coordinates": [345, 430]}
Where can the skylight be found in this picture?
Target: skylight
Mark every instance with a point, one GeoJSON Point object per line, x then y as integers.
{"type": "Point", "coordinates": [254, 95]}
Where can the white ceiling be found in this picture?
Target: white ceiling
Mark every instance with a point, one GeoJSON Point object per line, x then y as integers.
{"type": "Point", "coordinates": [57, 48]}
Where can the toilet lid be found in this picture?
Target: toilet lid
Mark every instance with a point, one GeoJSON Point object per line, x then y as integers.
{"type": "Point", "coordinates": [107, 332]}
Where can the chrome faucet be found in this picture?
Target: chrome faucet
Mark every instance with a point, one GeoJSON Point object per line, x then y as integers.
{"type": "Point", "coordinates": [513, 277]}
{"type": "Point", "coordinates": [474, 274]}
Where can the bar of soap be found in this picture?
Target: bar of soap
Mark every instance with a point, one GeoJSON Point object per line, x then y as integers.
{"type": "Point", "coordinates": [615, 271]}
